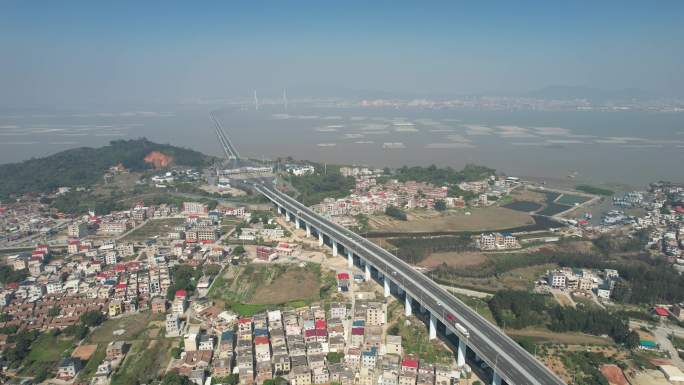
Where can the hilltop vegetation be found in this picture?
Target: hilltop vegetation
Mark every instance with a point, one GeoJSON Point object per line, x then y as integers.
{"type": "Point", "coordinates": [85, 166]}
{"type": "Point", "coordinates": [443, 176]}
{"type": "Point", "coordinates": [323, 184]}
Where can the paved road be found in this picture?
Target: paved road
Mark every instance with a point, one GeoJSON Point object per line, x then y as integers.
{"type": "Point", "coordinates": [510, 361]}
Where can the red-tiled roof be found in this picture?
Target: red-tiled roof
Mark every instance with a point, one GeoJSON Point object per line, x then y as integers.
{"type": "Point", "coordinates": [409, 363]}
{"type": "Point", "coordinates": [357, 331]}
{"type": "Point", "coordinates": [315, 333]}
{"type": "Point", "coordinates": [661, 311]}
{"type": "Point", "coordinates": [342, 276]}
{"type": "Point", "coordinates": [181, 293]}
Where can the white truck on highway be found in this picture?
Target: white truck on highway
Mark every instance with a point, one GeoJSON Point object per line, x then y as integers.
{"type": "Point", "coordinates": [462, 329]}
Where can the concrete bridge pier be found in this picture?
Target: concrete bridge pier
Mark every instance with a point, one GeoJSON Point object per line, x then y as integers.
{"type": "Point", "coordinates": [297, 224]}
{"type": "Point", "coordinates": [334, 247]}
{"type": "Point", "coordinates": [496, 379]}
{"type": "Point", "coordinates": [387, 287]}
{"type": "Point", "coordinates": [407, 306]}
{"type": "Point", "coordinates": [461, 354]}
{"type": "Point", "coordinates": [433, 327]}
{"type": "Point", "coordinates": [308, 230]}
{"type": "Point", "coordinates": [367, 271]}
{"type": "Point", "coordinates": [320, 239]}
{"type": "Point", "coordinates": [350, 259]}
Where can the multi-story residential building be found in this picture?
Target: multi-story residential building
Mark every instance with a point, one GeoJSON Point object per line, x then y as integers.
{"type": "Point", "coordinates": [195, 208]}
{"type": "Point", "coordinates": [172, 325]}
{"type": "Point", "coordinates": [300, 375]}
{"type": "Point", "coordinates": [393, 345]}
{"type": "Point", "coordinates": [206, 342]}
{"type": "Point", "coordinates": [77, 230]}
{"type": "Point", "coordinates": [115, 227]}
{"type": "Point", "coordinates": [375, 314]}
{"type": "Point", "coordinates": [191, 339]}
{"type": "Point", "coordinates": [369, 359]}
{"type": "Point", "coordinates": [498, 241]}
{"type": "Point", "coordinates": [201, 234]}
{"type": "Point", "coordinates": [557, 280]}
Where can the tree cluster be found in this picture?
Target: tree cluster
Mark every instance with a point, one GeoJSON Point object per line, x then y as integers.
{"type": "Point", "coordinates": [184, 278]}
{"type": "Point", "coordinates": [9, 275]}
{"type": "Point", "coordinates": [443, 176]}
{"type": "Point", "coordinates": [314, 188]}
{"type": "Point", "coordinates": [395, 212]}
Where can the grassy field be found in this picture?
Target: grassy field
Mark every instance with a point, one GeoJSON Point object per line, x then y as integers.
{"type": "Point", "coordinates": [414, 338]}
{"type": "Point", "coordinates": [228, 223]}
{"type": "Point", "coordinates": [144, 362]}
{"type": "Point", "coordinates": [490, 218]}
{"type": "Point", "coordinates": [477, 304]}
{"type": "Point", "coordinates": [455, 259]}
{"type": "Point", "coordinates": [134, 327]}
{"type": "Point", "coordinates": [253, 288]}
{"type": "Point", "coordinates": [523, 278]}
{"type": "Point", "coordinates": [152, 228]}
{"type": "Point", "coordinates": [46, 352]}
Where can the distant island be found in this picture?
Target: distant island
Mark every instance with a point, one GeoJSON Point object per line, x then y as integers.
{"type": "Point", "coordinates": [85, 166]}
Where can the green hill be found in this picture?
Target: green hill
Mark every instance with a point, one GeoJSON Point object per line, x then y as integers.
{"type": "Point", "coordinates": [85, 166]}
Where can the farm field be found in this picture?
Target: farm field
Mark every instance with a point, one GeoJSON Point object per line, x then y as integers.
{"type": "Point", "coordinates": [152, 228]}
{"type": "Point", "coordinates": [480, 219]}
{"type": "Point", "coordinates": [129, 327]}
{"type": "Point", "coordinates": [46, 352]}
{"type": "Point", "coordinates": [255, 287]}
{"type": "Point", "coordinates": [454, 259]}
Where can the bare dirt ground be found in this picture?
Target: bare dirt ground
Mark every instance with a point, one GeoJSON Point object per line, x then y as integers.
{"type": "Point", "coordinates": [649, 377]}
{"type": "Point", "coordinates": [614, 375]}
{"type": "Point", "coordinates": [454, 259]}
{"type": "Point", "coordinates": [293, 284]}
{"type": "Point", "coordinates": [563, 299]}
{"type": "Point", "coordinates": [124, 182]}
{"type": "Point", "coordinates": [490, 218]}
{"type": "Point", "coordinates": [229, 192]}
{"type": "Point", "coordinates": [84, 352]}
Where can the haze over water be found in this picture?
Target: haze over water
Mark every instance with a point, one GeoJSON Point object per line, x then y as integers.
{"type": "Point", "coordinates": [627, 147]}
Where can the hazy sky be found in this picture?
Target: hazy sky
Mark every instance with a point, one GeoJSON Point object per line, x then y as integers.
{"type": "Point", "coordinates": [71, 52]}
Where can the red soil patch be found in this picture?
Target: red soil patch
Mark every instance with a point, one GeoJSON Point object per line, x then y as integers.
{"type": "Point", "coordinates": [614, 375]}
{"type": "Point", "coordinates": [158, 159]}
